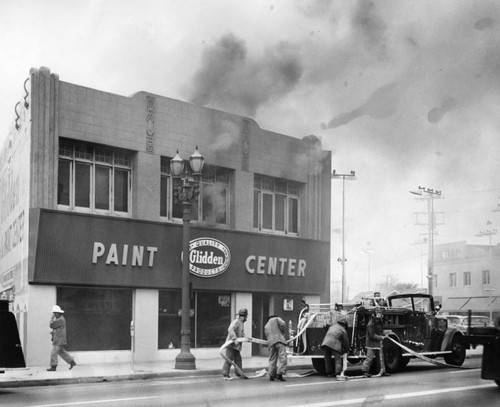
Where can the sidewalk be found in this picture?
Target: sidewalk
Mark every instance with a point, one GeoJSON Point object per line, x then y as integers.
{"type": "Point", "coordinates": [82, 373]}
{"type": "Point", "coordinates": [95, 373]}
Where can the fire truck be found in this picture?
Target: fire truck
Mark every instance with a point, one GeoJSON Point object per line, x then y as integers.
{"type": "Point", "coordinates": [11, 353]}
{"type": "Point", "coordinates": [410, 320]}
{"type": "Point", "coordinates": [489, 337]}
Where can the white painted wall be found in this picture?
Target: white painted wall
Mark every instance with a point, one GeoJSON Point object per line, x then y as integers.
{"type": "Point", "coordinates": [41, 300]}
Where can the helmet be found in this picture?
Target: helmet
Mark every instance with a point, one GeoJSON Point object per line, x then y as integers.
{"type": "Point", "coordinates": [243, 312]}
{"type": "Point", "coordinates": [57, 308]}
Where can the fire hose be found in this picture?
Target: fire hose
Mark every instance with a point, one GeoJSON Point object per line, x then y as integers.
{"type": "Point", "coordinates": [425, 358]}
{"type": "Point", "coordinates": [262, 372]}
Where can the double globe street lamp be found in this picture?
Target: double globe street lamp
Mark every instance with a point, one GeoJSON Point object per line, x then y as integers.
{"type": "Point", "coordinates": [186, 193]}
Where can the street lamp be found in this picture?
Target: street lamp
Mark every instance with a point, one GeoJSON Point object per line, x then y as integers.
{"type": "Point", "coordinates": [186, 193]}
{"type": "Point", "coordinates": [431, 226]}
{"type": "Point", "coordinates": [351, 175]}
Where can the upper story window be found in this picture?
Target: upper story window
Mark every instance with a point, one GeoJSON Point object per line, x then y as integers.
{"type": "Point", "coordinates": [211, 205]}
{"type": "Point", "coordinates": [453, 279]}
{"type": "Point", "coordinates": [93, 178]}
{"type": "Point", "coordinates": [276, 205]}
{"type": "Point", "coordinates": [467, 278]}
{"type": "Point", "coordinates": [486, 277]}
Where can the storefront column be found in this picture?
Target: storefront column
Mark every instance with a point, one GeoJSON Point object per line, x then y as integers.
{"type": "Point", "coordinates": [145, 315]}
{"type": "Point", "coordinates": [244, 300]}
{"type": "Point", "coordinates": [38, 345]}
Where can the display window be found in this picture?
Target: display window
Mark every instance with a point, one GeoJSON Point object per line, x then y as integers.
{"type": "Point", "coordinates": [96, 318]}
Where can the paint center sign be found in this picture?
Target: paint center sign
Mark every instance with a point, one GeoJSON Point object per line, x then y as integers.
{"type": "Point", "coordinates": [208, 257]}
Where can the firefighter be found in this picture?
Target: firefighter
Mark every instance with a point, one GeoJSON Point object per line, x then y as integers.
{"type": "Point", "coordinates": [335, 343]}
{"type": "Point", "coordinates": [374, 337]}
{"type": "Point", "coordinates": [275, 334]}
{"type": "Point", "coordinates": [236, 330]}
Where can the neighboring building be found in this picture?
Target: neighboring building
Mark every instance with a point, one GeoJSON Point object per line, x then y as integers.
{"type": "Point", "coordinates": [467, 278]}
{"type": "Point", "coordinates": [89, 221]}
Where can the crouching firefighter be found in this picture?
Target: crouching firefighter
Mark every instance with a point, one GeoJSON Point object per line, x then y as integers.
{"type": "Point", "coordinates": [335, 344]}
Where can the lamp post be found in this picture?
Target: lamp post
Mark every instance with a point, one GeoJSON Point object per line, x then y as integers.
{"type": "Point", "coordinates": [342, 259]}
{"type": "Point", "coordinates": [368, 250]}
{"type": "Point", "coordinates": [186, 193]}
{"type": "Point", "coordinates": [431, 226]}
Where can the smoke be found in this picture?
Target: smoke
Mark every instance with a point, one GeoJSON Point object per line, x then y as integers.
{"type": "Point", "coordinates": [229, 79]}
{"type": "Point", "coordinates": [227, 135]}
{"type": "Point", "coordinates": [313, 156]}
{"type": "Point", "coordinates": [380, 105]}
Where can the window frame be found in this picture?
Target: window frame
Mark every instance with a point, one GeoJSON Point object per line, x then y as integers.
{"type": "Point", "coordinates": [86, 154]}
{"type": "Point", "coordinates": [265, 200]}
{"type": "Point", "coordinates": [212, 176]}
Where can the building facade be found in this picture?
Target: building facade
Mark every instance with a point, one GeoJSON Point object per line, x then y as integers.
{"type": "Point", "coordinates": [466, 277]}
{"type": "Point", "coordinates": [90, 221]}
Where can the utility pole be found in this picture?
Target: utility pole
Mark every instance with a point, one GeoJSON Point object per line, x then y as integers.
{"type": "Point", "coordinates": [431, 225]}
{"type": "Point", "coordinates": [351, 175]}
{"type": "Point", "coordinates": [421, 243]}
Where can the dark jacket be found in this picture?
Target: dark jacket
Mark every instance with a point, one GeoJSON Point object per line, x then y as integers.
{"type": "Point", "coordinates": [374, 333]}
{"type": "Point", "coordinates": [275, 331]}
{"type": "Point", "coordinates": [336, 338]}
{"type": "Point", "coordinates": [58, 326]}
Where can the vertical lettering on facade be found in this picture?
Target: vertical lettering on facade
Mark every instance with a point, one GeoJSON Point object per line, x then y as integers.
{"type": "Point", "coordinates": [150, 124]}
{"type": "Point", "coordinates": [245, 146]}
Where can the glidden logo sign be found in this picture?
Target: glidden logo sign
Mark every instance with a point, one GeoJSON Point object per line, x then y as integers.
{"type": "Point", "coordinates": [208, 257]}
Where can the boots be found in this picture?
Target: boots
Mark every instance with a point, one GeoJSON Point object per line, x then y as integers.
{"type": "Point", "coordinates": [52, 369]}
{"type": "Point", "coordinates": [72, 364]}
{"type": "Point", "coordinates": [280, 378]}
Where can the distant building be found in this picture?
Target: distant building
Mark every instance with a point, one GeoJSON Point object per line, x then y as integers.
{"type": "Point", "coordinates": [90, 221]}
{"type": "Point", "coordinates": [467, 277]}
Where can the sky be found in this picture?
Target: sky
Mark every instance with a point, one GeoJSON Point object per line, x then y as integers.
{"type": "Point", "coordinates": [403, 92]}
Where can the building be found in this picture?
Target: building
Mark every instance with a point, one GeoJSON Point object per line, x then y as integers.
{"type": "Point", "coordinates": [466, 277]}
{"type": "Point", "coordinates": [90, 221]}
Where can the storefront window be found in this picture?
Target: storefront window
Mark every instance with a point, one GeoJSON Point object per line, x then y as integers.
{"type": "Point", "coordinates": [210, 319]}
{"type": "Point", "coordinates": [96, 318]}
{"type": "Point", "coordinates": [169, 319]}
{"type": "Point", "coordinates": [213, 316]}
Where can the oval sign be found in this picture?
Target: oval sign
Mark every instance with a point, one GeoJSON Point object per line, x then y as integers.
{"type": "Point", "coordinates": [208, 257]}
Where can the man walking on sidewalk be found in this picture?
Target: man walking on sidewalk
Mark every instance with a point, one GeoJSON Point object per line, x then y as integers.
{"type": "Point", "coordinates": [275, 334]}
{"type": "Point", "coordinates": [58, 325]}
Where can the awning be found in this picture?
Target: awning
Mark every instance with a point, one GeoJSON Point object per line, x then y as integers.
{"type": "Point", "coordinates": [477, 304]}
{"type": "Point", "coordinates": [455, 304]}
{"type": "Point", "coordinates": [471, 303]}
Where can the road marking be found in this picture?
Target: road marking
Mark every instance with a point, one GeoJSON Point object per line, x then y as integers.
{"type": "Point", "coordinates": [382, 397]}
{"type": "Point", "coordinates": [333, 381]}
{"type": "Point", "coordinates": [465, 371]}
{"type": "Point", "coordinates": [79, 403]}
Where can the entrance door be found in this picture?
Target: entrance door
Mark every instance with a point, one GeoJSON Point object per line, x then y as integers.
{"type": "Point", "coordinates": [260, 312]}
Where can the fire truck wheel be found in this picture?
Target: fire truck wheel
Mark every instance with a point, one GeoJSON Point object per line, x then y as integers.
{"type": "Point", "coordinates": [404, 362]}
{"type": "Point", "coordinates": [392, 356]}
{"type": "Point", "coordinates": [319, 365]}
{"type": "Point", "coordinates": [457, 355]}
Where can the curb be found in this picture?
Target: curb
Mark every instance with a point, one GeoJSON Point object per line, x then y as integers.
{"type": "Point", "coordinates": [121, 378]}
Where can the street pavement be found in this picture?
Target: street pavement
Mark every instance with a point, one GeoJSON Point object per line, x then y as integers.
{"type": "Point", "coordinates": [94, 373]}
